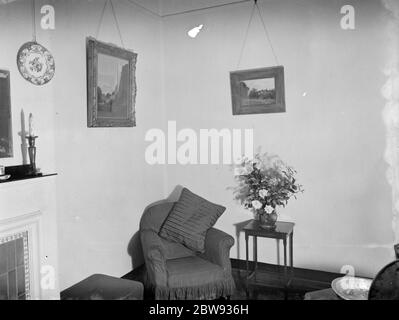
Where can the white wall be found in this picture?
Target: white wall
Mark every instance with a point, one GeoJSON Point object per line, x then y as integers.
{"type": "Point", "coordinates": [30, 205]}
{"type": "Point", "coordinates": [333, 135]}
{"type": "Point", "coordinates": [27, 197]}
{"type": "Point", "coordinates": [104, 184]}
{"type": "Point", "coordinates": [15, 30]}
{"type": "Point", "coordinates": [391, 110]}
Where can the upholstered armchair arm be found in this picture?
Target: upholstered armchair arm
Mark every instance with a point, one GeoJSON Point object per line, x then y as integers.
{"type": "Point", "coordinates": [154, 257]}
{"type": "Point", "coordinates": [217, 248]}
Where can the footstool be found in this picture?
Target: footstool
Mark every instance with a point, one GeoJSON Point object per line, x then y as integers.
{"type": "Point", "coordinates": [103, 287]}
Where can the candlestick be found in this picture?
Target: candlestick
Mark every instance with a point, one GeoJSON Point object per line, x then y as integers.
{"type": "Point", "coordinates": [31, 132]}
{"type": "Point", "coordinates": [32, 152]}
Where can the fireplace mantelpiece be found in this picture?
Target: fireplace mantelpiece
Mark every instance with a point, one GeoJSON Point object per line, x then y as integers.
{"type": "Point", "coordinates": [29, 205]}
{"type": "Point", "coordinates": [27, 178]}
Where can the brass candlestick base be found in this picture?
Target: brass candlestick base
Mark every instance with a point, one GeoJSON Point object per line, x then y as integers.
{"type": "Point", "coordinates": [32, 152]}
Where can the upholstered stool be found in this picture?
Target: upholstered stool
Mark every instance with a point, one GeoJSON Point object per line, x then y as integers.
{"type": "Point", "coordinates": [102, 287]}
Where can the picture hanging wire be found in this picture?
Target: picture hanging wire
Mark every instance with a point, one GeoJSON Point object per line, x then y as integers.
{"type": "Point", "coordinates": [135, 3]}
{"type": "Point", "coordinates": [256, 6]}
{"type": "Point", "coordinates": [205, 8]}
{"type": "Point", "coordinates": [33, 20]}
{"type": "Point", "coordinates": [115, 18]}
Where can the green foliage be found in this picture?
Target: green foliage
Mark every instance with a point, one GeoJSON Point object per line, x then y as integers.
{"type": "Point", "coordinates": [265, 183]}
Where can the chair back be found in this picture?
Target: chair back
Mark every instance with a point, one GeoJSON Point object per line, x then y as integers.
{"type": "Point", "coordinates": [385, 285]}
{"type": "Point", "coordinates": [153, 219]}
{"type": "Point", "coordinates": [154, 216]}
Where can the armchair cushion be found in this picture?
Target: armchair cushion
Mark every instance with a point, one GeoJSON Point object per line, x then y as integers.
{"type": "Point", "coordinates": [190, 219]}
{"type": "Point", "coordinates": [174, 250]}
{"type": "Point", "coordinates": [192, 272]}
{"type": "Point", "coordinates": [194, 278]}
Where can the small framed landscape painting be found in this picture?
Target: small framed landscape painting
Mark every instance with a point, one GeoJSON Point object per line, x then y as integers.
{"type": "Point", "coordinates": [111, 85]}
{"type": "Point", "coordinates": [258, 91]}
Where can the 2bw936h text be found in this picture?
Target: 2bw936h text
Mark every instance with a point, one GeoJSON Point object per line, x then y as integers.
{"type": "Point", "coordinates": [199, 310]}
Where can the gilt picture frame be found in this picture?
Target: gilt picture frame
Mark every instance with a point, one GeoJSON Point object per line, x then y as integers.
{"type": "Point", "coordinates": [111, 85]}
{"type": "Point", "coordinates": [258, 91]}
{"type": "Point", "coordinates": [6, 141]}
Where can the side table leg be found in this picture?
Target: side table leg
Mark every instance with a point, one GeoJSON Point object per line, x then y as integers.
{"type": "Point", "coordinates": [285, 269]}
{"type": "Point", "coordinates": [247, 266]}
{"type": "Point", "coordinates": [255, 255]}
{"type": "Point", "coordinates": [292, 255]}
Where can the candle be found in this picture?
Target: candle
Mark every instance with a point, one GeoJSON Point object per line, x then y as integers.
{"type": "Point", "coordinates": [31, 132]}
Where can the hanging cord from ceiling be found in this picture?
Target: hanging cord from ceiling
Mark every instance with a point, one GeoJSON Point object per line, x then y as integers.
{"type": "Point", "coordinates": [187, 11]}
{"type": "Point", "coordinates": [256, 6]}
{"type": "Point", "coordinates": [267, 33]}
{"type": "Point", "coordinates": [33, 20]}
{"type": "Point", "coordinates": [117, 23]}
{"type": "Point", "coordinates": [246, 37]}
{"type": "Point", "coordinates": [144, 8]}
{"type": "Point", "coordinates": [206, 8]}
{"type": "Point", "coordinates": [115, 18]}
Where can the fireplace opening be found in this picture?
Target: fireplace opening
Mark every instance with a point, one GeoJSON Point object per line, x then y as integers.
{"type": "Point", "coordinates": [14, 267]}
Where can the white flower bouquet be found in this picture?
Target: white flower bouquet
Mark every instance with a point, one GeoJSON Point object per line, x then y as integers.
{"type": "Point", "coordinates": [264, 183]}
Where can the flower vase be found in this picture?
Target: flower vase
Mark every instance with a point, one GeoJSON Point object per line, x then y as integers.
{"type": "Point", "coordinates": [268, 220]}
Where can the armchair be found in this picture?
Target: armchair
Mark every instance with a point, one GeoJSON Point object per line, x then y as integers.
{"type": "Point", "coordinates": [175, 272]}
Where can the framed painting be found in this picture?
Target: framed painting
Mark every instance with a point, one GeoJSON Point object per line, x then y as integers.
{"type": "Point", "coordinates": [258, 91]}
{"type": "Point", "coordinates": [111, 85]}
{"type": "Point", "coordinates": [6, 150]}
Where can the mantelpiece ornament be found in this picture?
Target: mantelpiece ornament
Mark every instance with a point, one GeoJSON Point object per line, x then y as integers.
{"type": "Point", "coordinates": [35, 63]}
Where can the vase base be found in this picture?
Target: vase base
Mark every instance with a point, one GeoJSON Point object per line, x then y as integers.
{"type": "Point", "coordinates": [268, 226]}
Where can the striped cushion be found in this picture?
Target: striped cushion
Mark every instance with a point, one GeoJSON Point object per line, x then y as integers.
{"type": "Point", "coordinates": [189, 220]}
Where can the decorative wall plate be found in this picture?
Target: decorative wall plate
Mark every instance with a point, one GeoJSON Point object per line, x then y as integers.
{"type": "Point", "coordinates": [35, 63]}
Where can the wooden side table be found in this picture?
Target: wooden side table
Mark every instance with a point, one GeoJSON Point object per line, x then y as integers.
{"type": "Point", "coordinates": [283, 231]}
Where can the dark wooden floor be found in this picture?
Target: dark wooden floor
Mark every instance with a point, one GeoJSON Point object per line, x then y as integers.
{"type": "Point", "coordinates": [269, 282]}
{"type": "Point", "coordinates": [270, 285]}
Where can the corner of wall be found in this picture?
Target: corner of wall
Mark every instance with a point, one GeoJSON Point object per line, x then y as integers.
{"type": "Point", "coordinates": [390, 92]}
